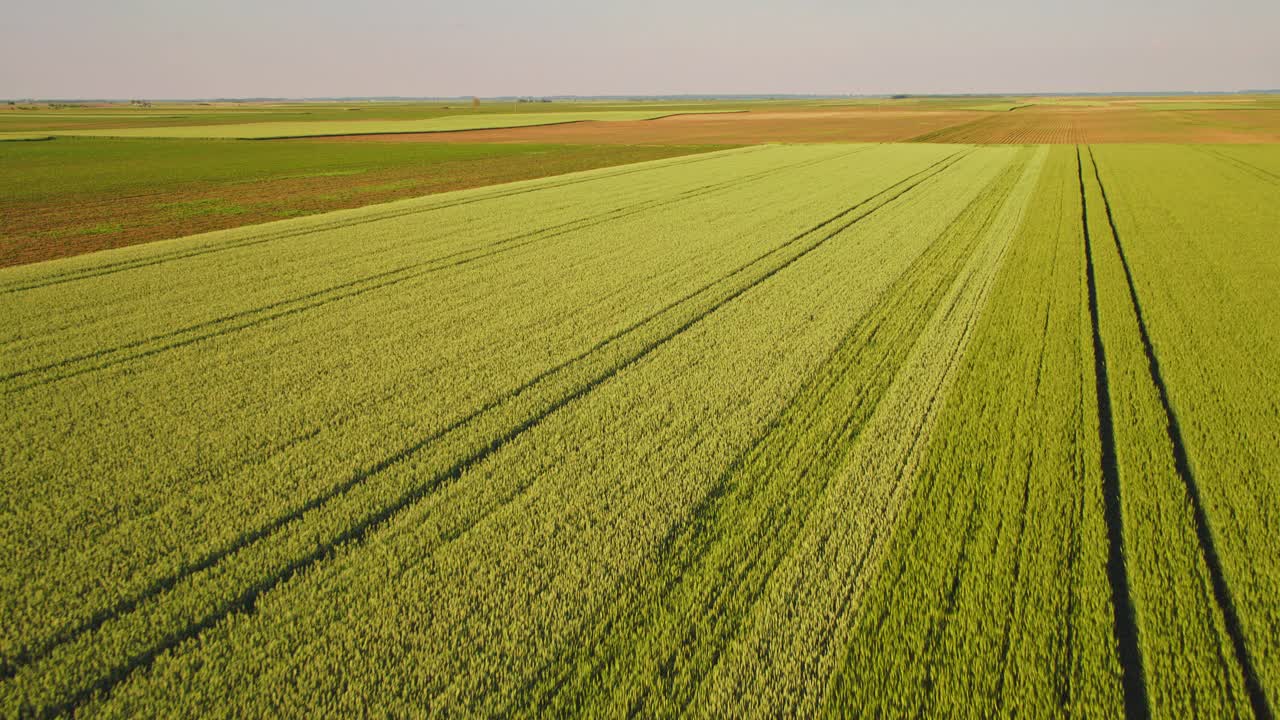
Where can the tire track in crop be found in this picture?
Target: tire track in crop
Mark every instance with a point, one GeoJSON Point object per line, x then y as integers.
{"type": "Point", "coordinates": [378, 281]}
{"type": "Point", "coordinates": [1137, 704]}
{"type": "Point", "coordinates": [129, 604]}
{"type": "Point", "coordinates": [501, 193]}
{"type": "Point", "coordinates": [587, 219]}
{"type": "Point", "coordinates": [363, 219]}
{"type": "Point", "coordinates": [791, 261]}
{"type": "Point", "coordinates": [921, 434]}
{"type": "Point", "coordinates": [695, 539]}
{"type": "Point", "coordinates": [246, 601]}
{"type": "Point", "coordinates": [1258, 172]}
{"type": "Point", "coordinates": [1208, 549]}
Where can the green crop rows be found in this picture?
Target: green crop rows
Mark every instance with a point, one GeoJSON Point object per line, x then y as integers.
{"type": "Point", "coordinates": [914, 430]}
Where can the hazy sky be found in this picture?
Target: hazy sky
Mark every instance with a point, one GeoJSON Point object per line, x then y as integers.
{"type": "Point", "coordinates": [295, 48]}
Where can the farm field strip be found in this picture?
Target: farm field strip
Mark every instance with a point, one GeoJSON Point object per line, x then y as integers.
{"type": "Point", "coordinates": [694, 295]}
{"type": "Point", "coordinates": [74, 196]}
{"type": "Point", "coordinates": [918, 429]}
{"type": "Point", "coordinates": [802, 615]}
{"type": "Point", "coordinates": [283, 129]}
{"type": "Point", "coordinates": [392, 301]}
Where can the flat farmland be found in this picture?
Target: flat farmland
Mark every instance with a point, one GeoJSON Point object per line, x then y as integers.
{"type": "Point", "coordinates": [820, 125]}
{"type": "Point", "coordinates": [75, 195]}
{"type": "Point", "coordinates": [1007, 123]}
{"type": "Point", "coordinates": [913, 429]}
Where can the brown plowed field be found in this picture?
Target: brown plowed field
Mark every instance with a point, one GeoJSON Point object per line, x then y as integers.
{"type": "Point", "coordinates": [1047, 124]}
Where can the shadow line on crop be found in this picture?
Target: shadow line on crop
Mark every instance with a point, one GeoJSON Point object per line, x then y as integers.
{"type": "Point", "coordinates": [1253, 687]}
{"type": "Point", "coordinates": [246, 602]}
{"type": "Point", "coordinates": [1136, 702]}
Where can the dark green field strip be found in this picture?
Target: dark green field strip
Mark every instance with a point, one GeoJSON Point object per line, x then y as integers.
{"type": "Point", "coordinates": [649, 651]}
{"type": "Point", "coordinates": [226, 324]}
{"type": "Point", "coordinates": [72, 198]}
{"type": "Point", "coordinates": [294, 229]}
{"type": "Point", "coordinates": [245, 600]}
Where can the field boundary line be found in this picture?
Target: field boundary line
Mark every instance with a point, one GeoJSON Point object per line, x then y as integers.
{"type": "Point", "coordinates": [1204, 533]}
{"type": "Point", "coordinates": [1132, 677]}
{"type": "Point", "coordinates": [355, 535]}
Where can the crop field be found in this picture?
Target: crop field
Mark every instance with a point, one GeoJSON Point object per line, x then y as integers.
{"type": "Point", "coordinates": [275, 129]}
{"type": "Point", "coordinates": [918, 429]}
{"type": "Point", "coordinates": [1049, 123]}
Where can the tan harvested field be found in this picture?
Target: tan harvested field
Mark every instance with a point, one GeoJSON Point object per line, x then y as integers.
{"type": "Point", "coordinates": [1035, 124]}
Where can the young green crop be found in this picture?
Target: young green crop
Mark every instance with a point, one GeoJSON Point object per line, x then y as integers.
{"type": "Point", "coordinates": [783, 430]}
{"type": "Point", "coordinates": [993, 597]}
